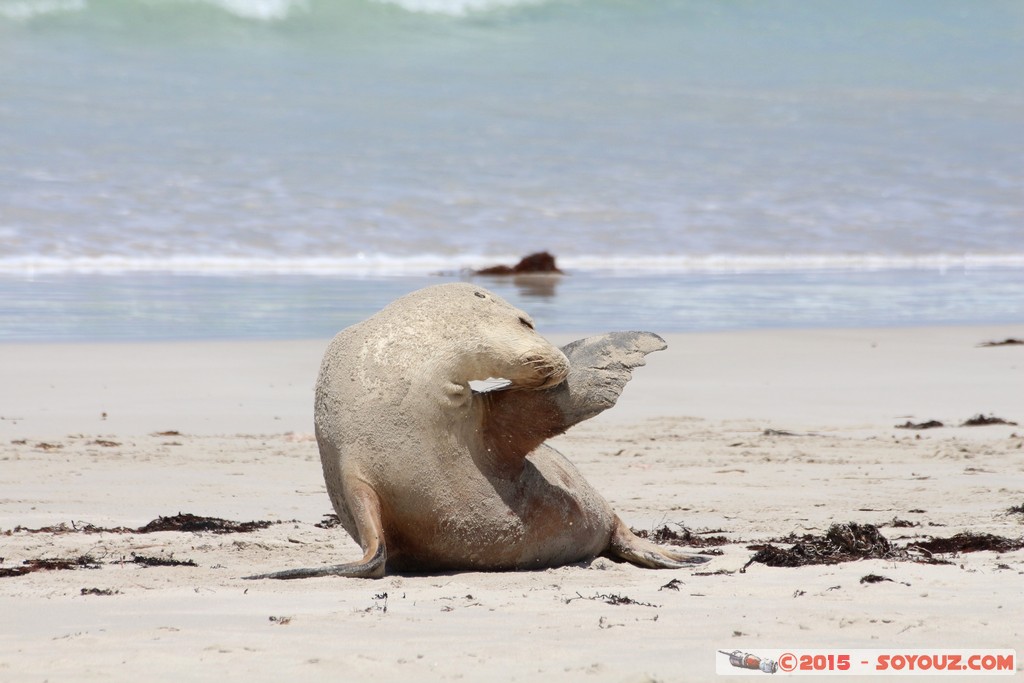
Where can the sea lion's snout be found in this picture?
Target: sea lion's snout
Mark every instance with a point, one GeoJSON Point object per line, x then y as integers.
{"type": "Point", "coordinates": [545, 370]}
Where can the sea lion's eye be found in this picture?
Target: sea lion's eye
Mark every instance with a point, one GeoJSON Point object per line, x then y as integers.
{"type": "Point", "coordinates": [481, 295]}
{"type": "Point", "coordinates": [526, 322]}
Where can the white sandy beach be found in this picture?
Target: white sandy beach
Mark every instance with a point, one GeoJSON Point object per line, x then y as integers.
{"type": "Point", "coordinates": [687, 444]}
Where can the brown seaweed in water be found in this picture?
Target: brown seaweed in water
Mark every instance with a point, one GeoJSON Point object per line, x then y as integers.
{"type": "Point", "coordinates": [539, 262]}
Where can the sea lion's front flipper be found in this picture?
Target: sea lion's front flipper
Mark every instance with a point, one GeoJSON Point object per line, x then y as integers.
{"type": "Point", "coordinates": [517, 420]}
{"type": "Point", "coordinates": [599, 368]}
{"type": "Point", "coordinates": [365, 508]}
{"type": "Point", "coordinates": [628, 546]}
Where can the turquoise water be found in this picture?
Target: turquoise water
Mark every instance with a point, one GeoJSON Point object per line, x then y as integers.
{"type": "Point", "coordinates": [198, 168]}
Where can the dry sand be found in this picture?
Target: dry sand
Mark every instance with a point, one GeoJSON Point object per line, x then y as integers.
{"type": "Point", "coordinates": [687, 444]}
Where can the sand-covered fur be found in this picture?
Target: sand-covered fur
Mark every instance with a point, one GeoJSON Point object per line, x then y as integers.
{"type": "Point", "coordinates": [428, 474]}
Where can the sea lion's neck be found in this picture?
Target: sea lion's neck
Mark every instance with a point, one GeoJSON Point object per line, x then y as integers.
{"type": "Point", "coordinates": [511, 424]}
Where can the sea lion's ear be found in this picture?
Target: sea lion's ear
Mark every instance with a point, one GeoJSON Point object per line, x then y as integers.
{"type": "Point", "coordinates": [599, 368]}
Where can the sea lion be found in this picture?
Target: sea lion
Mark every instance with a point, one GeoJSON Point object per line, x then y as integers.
{"type": "Point", "coordinates": [427, 474]}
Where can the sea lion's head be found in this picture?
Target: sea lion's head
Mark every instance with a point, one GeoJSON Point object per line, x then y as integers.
{"type": "Point", "coordinates": [490, 338]}
{"type": "Point", "coordinates": [503, 343]}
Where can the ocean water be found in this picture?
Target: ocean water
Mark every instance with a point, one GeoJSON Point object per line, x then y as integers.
{"type": "Point", "coordinates": [281, 168]}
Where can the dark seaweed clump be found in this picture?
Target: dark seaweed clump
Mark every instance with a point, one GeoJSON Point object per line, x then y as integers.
{"type": "Point", "coordinates": [968, 542]}
{"type": "Point", "coordinates": [187, 522]}
{"type": "Point", "coordinates": [539, 262]}
{"type": "Point", "coordinates": [178, 522]}
{"type": "Point", "coordinates": [930, 424]}
{"type": "Point", "coordinates": [147, 561]}
{"type": "Point", "coordinates": [330, 521]}
{"type": "Point", "coordinates": [683, 537]}
{"type": "Point", "coordinates": [874, 578]}
{"type": "Point", "coordinates": [841, 543]}
{"type": "Point", "coordinates": [1006, 342]}
{"type": "Point", "coordinates": [611, 599]}
{"type": "Point", "coordinates": [853, 541]}
{"type": "Point", "coordinates": [980, 420]}
{"type": "Point", "coordinates": [50, 564]}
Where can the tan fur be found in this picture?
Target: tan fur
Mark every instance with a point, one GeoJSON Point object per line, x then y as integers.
{"type": "Point", "coordinates": [427, 474]}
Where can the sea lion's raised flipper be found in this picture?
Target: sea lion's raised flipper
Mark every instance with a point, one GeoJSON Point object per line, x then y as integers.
{"type": "Point", "coordinates": [520, 419]}
{"type": "Point", "coordinates": [627, 546]}
{"type": "Point", "coordinates": [599, 368]}
{"type": "Point", "coordinates": [365, 508]}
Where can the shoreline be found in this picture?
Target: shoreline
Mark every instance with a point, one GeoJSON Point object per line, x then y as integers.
{"type": "Point", "coordinates": [162, 306]}
{"type": "Point", "coordinates": [752, 436]}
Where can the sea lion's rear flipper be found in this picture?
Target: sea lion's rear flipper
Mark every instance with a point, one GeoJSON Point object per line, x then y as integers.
{"type": "Point", "coordinates": [599, 368]}
{"type": "Point", "coordinates": [365, 508]}
{"type": "Point", "coordinates": [628, 546]}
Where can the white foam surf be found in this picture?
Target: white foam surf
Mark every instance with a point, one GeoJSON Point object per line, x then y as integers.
{"type": "Point", "coordinates": [23, 10]}
{"type": "Point", "coordinates": [458, 8]}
